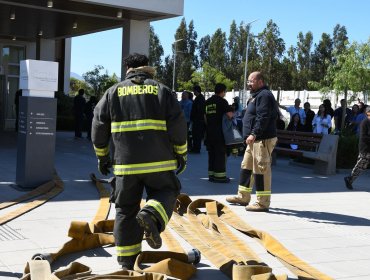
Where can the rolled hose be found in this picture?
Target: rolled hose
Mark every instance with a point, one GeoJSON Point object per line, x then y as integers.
{"type": "Point", "coordinates": [39, 256]}
{"type": "Point", "coordinates": [194, 256]}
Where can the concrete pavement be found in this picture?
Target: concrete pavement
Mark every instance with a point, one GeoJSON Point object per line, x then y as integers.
{"type": "Point", "coordinates": [315, 217]}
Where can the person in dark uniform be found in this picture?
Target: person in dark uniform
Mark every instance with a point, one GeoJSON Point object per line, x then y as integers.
{"type": "Point", "coordinates": [215, 108]}
{"type": "Point", "coordinates": [78, 110]}
{"type": "Point", "coordinates": [148, 129]}
{"type": "Point", "coordinates": [197, 118]}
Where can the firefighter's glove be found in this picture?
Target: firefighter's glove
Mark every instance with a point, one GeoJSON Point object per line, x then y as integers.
{"type": "Point", "coordinates": [181, 163]}
{"type": "Point", "coordinates": [104, 163]}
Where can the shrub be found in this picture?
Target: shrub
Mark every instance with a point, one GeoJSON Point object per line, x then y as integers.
{"type": "Point", "coordinates": [347, 150]}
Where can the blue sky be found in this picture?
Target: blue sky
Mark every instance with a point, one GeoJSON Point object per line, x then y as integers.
{"type": "Point", "coordinates": [291, 16]}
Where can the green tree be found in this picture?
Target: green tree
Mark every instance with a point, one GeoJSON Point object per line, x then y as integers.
{"type": "Point", "coordinates": [271, 48]}
{"type": "Point", "coordinates": [304, 59]}
{"type": "Point", "coordinates": [321, 59]}
{"type": "Point", "coordinates": [203, 49]}
{"type": "Point", "coordinates": [217, 51]}
{"type": "Point", "coordinates": [207, 77]}
{"type": "Point", "coordinates": [351, 70]}
{"type": "Point", "coordinates": [155, 49]}
{"type": "Point", "coordinates": [340, 38]}
{"type": "Point", "coordinates": [96, 80]}
{"type": "Point", "coordinates": [76, 84]}
{"type": "Point", "coordinates": [233, 58]}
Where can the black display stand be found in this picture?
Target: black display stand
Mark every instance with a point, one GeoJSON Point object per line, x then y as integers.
{"type": "Point", "coordinates": [36, 141]}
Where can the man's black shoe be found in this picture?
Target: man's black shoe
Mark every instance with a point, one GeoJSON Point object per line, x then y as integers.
{"type": "Point", "coordinates": [148, 223]}
{"type": "Point", "coordinates": [211, 178]}
{"type": "Point", "coordinates": [348, 183]}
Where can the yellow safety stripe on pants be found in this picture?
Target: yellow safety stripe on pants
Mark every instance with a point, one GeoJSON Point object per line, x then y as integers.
{"type": "Point", "coordinates": [219, 174]}
{"type": "Point", "coordinates": [141, 168]}
{"type": "Point", "coordinates": [210, 173]}
{"type": "Point", "coordinates": [159, 208]}
{"type": "Point", "coordinates": [47, 191]}
{"type": "Point", "coordinates": [180, 149]}
{"type": "Point", "coordinates": [244, 189]}
{"type": "Point", "coordinates": [263, 193]}
{"type": "Point", "coordinates": [101, 152]}
{"type": "Point", "coordinates": [148, 124]}
{"type": "Point", "coordinates": [125, 251]}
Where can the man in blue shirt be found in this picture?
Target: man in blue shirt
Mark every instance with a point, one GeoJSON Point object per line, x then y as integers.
{"type": "Point", "coordinates": [296, 109]}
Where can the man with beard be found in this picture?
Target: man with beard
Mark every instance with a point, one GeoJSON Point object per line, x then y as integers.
{"type": "Point", "coordinates": [259, 132]}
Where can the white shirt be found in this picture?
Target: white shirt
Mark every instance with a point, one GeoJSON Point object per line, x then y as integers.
{"type": "Point", "coordinates": [319, 124]}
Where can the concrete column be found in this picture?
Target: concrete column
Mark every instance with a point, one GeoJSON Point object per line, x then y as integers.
{"type": "Point", "coordinates": [67, 64]}
{"type": "Point", "coordinates": [135, 38]}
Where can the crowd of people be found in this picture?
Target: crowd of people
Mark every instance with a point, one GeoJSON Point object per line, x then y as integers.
{"type": "Point", "coordinates": [304, 119]}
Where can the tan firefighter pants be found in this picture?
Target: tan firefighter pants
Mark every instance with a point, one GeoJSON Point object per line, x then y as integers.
{"type": "Point", "coordinates": [257, 157]}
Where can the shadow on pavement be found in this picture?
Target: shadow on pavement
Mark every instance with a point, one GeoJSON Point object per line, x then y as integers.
{"type": "Point", "coordinates": [323, 217]}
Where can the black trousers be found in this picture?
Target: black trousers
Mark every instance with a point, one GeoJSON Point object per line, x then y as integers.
{"type": "Point", "coordinates": [198, 134]}
{"type": "Point", "coordinates": [162, 187]}
{"type": "Point", "coordinates": [216, 160]}
{"type": "Point", "coordinates": [78, 125]}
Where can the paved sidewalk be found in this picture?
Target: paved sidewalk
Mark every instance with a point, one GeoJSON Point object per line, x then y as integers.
{"type": "Point", "coordinates": [315, 217]}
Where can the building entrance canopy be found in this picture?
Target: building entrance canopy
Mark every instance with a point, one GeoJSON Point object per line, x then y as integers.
{"type": "Point", "coordinates": [28, 20]}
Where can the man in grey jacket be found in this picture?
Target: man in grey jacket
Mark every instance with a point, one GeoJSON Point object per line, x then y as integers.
{"type": "Point", "coordinates": [259, 132]}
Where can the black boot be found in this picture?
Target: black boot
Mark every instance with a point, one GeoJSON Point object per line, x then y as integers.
{"type": "Point", "coordinates": [149, 223]}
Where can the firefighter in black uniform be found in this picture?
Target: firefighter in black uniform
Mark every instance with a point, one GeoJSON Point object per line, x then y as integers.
{"type": "Point", "coordinates": [197, 118]}
{"type": "Point", "coordinates": [148, 130]}
{"type": "Point", "coordinates": [216, 107]}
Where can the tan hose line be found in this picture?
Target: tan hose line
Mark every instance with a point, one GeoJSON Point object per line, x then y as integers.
{"type": "Point", "coordinates": [207, 231]}
{"type": "Point", "coordinates": [43, 193]}
{"type": "Point", "coordinates": [219, 213]}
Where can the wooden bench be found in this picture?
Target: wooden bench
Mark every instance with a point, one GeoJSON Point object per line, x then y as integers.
{"type": "Point", "coordinates": [321, 148]}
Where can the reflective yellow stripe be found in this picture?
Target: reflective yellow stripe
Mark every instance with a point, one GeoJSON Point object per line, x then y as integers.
{"type": "Point", "coordinates": [101, 151]}
{"type": "Point", "coordinates": [219, 174]}
{"type": "Point", "coordinates": [138, 125]}
{"type": "Point", "coordinates": [159, 208]}
{"type": "Point", "coordinates": [141, 168]}
{"type": "Point", "coordinates": [125, 251]}
{"type": "Point", "coordinates": [244, 189]}
{"type": "Point", "coordinates": [263, 193]}
{"type": "Point", "coordinates": [180, 149]}
{"type": "Point", "coordinates": [210, 173]}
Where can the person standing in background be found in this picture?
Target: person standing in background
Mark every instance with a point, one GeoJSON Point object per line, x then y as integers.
{"type": "Point", "coordinates": [259, 132]}
{"type": "Point", "coordinates": [295, 109]}
{"type": "Point", "coordinates": [309, 117]}
{"type": "Point", "coordinates": [322, 121]}
{"type": "Point", "coordinates": [186, 105]}
{"type": "Point", "coordinates": [215, 108]}
{"type": "Point", "coordinates": [79, 103]}
{"type": "Point", "coordinates": [197, 119]}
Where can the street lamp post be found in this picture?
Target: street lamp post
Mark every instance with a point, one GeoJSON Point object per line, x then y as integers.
{"type": "Point", "coordinates": [174, 63]}
{"type": "Point", "coordinates": [248, 26]}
